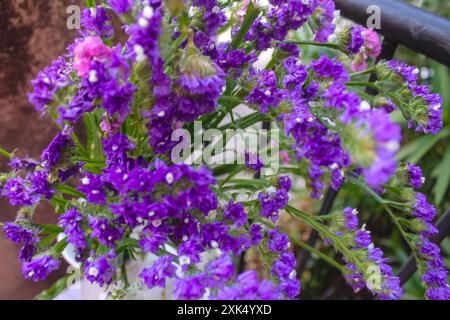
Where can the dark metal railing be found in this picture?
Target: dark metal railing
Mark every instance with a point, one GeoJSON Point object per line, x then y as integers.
{"type": "Point", "coordinates": [403, 23]}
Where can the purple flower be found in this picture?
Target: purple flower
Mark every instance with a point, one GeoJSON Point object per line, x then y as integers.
{"type": "Point", "coordinates": [271, 203]}
{"type": "Point", "coordinates": [27, 164]}
{"type": "Point", "coordinates": [40, 184]}
{"type": "Point", "coordinates": [189, 288]}
{"type": "Point", "coordinates": [219, 271]}
{"type": "Point", "coordinates": [213, 18]}
{"type": "Point", "coordinates": [363, 238]}
{"type": "Point", "coordinates": [153, 243]}
{"type": "Point", "coordinates": [235, 212]}
{"type": "Point", "coordinates": [121, 6]}
{"type": "Point", "coordinates": [256, 234]}
{"type": "Point", "coordinates": [357, 40]}
{"type": "Point", "coordinates": [416, 177]}
{"type": "Point", "coordinates": [48, 82]}
{"type": "Point", "coordinates": [116, 147]}
{"type": "Point", "coordinates": [278, 242]}
{"type": "Point", "coordinates": [265, 94]}
{"type": "Point", "coordinates": [248, 287]}
{"type": "Point", "coordinates": [330, 68]}
{"type": "Point", "coordinates": [52, 154]}
{"type": "Point", "coordinates": [39, 268]}
{"type": "Point", "coordinates": [96, 21]}
{"type": "Point", "coordinates": [325, 20]}
{"type": "Point", "coordinates": [441, 293]}
{"type": "Point", "coordinates": [284, 266]}
{"type": "Point", "coordinates": [386, 137]}
{"type": "Point", "coordinates": [232, 61]}
{"type": "Point", "coordinates": [100, 270]}
{"type": "Point", "coordinates": [201, 84]}
{"type": "Point", "coordinates": [71, 222]}
{"type": "Point", "coordinates": [423, 209]}
{"type": "Point", "coordinates": [93, 187]}
{"type": "Point", "coordinates": [351, 218]}
{"type": "Point", "coordinates": [106, 234]}
{"type": "Point", "coordinates": [285, 183]}
{"type": "Point", "coordinates": [18, 233]}
{"type": "Point", "coordinates": [161, 269]}
{"type": "Point", "coordinates": [19, 193]}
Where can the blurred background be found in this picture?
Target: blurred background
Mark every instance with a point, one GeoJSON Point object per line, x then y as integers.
{"type": "Point", "coordinates": [34, 32]}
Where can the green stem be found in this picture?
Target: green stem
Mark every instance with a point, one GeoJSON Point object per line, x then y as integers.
{"type": "Point", "coordinates": [364, 84]}
{"type": "Point", "coordinates": [320, 254]}
{"type": "Point", "coordinates": [367, 71]}
{"type": "Point", "coordinates": [5, 153]}
{"type": "Point", "coordinates": [314, 43]}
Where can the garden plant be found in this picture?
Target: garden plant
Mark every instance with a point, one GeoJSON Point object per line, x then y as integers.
{"type": "Point", "coordinates": [113, 173]}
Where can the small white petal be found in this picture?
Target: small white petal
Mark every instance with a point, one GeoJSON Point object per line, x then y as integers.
{"type": "Point", "coordinates": [148, 12]}
{"type": "Point", "coordinates": [143, 22]}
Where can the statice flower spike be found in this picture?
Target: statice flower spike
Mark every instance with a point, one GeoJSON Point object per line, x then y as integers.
{"type": "Point", "coordinates": [39, 268]}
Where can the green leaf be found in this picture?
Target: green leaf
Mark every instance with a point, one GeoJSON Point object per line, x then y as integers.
{"type": "Point", "coordinates": [442, 175]}
{"type": "Point", "coordinates": [90, 3]}
{"type": "Point", "coordinates": [60, 246]}
{"type": "Point", "coordinates": [94, 143]}
{"type": "Point", "coordinates": [250, 17]}
{"type": "Point", "coordinates": [70, 191]}
{"type": "Point", "coordinates": [47, 241]}
{"type": "Point", "coordinates": [58, 287]}
{"type": "Point", "coordinates": [415, 150]}
{"type": "Point", "coordinates": [50, 228]}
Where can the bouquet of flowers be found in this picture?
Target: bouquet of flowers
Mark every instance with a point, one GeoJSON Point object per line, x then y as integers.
{"type": "Point", "coordinates": [121, 190]}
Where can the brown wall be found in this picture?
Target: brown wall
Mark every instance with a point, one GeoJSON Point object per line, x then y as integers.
{"type": "Point", "coordinates": [32, 34]}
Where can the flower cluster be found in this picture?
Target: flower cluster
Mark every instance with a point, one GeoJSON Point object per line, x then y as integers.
{"type": "Point", "coordinates": [435, 274]}
{"type": "Point", "coordinates": [422, 107]}
{"type": "Point", "coordinates": [121, 195]}
{"type": "Point", "coordinates": [368, 266]}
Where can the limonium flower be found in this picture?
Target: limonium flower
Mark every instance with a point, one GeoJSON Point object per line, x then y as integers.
{"type": "Point", "coordinates": [96, 21]}
{"type": "Point", "coordinates": [72, 221]}
{"type": "Point", "coordinates": [201, 83]}
{"type": "Point", "coordinates": [53, 153]}
{"type": "Point", "coordinates": [161, 269]}
{"type": "Point", "coordinates": [39, 268]}
{"type": "Point", "coordinates": [266, 93]}
{"type": "Point", "coordinates": [416, 177]}
{"type": "Point", "coordinates": [121, 6]}
{"type": "Point", "coordinates": [106, 233]}
{"type": "Point", "coordinates": [18, 233]}
{"type": "Point", "coordinates": [48, 82]}
{"type": "Point", "coordinates": [236, 213]}
{"type": "Point", "coordinates": [247, 286]}
{"type": "Point", "coordinates": [380, 139]}
{"type": "Point", "coordinates": [100, 270]}
{"type": "Point", "coordinates": [424, 110]}
{"type": "Point", "coordinates": [385, 285]}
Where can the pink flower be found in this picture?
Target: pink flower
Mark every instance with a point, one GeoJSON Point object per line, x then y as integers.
{"type": "Point", "coordinates": [372, 44]}
{"type": "Point", "coordinates": [87, 50]}
{"type": "Point", "coordinates": [372, 49]}
{"type": "Point", "coordinates": [285, 158]}
{"type": "Point", "coordinates": [359, 63]}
